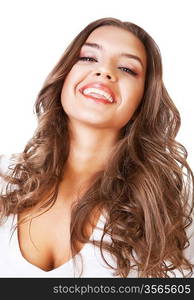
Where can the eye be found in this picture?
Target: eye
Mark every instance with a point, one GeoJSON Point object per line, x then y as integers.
{"type": "Point", "coordinates": [127, 70]}
{"type": "Point", "coordinates": [87, 58]}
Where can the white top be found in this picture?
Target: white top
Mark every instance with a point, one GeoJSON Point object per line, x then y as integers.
{"type": "Point", "coordinates": [13, 264]}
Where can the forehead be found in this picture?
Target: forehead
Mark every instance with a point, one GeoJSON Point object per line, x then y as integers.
{"type": "Point", "coordinates": [116, 39]}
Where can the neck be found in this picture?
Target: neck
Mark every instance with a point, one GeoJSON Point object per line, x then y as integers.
{"type": "Point", "coordinates": [89, 150]}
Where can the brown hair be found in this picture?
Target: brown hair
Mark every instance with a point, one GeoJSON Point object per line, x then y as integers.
{"type": "Point", "coordinates": [143, 188]}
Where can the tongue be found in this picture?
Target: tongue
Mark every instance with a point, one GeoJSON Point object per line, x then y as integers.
{"type": "Point", "coordinates": [98, 96]}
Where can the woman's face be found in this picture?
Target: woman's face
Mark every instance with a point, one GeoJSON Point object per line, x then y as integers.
{"type": "Point", "coordinates": [106, 85]}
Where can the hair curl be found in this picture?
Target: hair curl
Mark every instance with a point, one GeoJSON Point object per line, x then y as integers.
{"type": "Point", "coordinates": [143, 188]}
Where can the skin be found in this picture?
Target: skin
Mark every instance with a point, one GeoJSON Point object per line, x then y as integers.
{"type": "Point", "coordinates": [94, 130]}
{"type": "Point", "coordinates": [94, 127]}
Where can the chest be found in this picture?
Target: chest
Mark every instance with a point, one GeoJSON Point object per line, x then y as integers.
{"type": "Point", "coordinates": [44, 241]}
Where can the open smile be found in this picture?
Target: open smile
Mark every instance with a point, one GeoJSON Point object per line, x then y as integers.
{"type": "Point", "coordinates": [98, 92]}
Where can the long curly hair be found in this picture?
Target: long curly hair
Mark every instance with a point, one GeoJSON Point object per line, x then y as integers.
{"type": "Point", "coordinates": [146, 187]}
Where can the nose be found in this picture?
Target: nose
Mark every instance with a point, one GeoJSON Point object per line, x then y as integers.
{"type": "Point", "coordinates": [104, 74]}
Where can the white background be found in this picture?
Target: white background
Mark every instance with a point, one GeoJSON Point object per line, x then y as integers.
{"type": "Point", "coordinates": [34, 34]}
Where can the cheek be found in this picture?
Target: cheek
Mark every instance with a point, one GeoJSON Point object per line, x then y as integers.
{"type": "Point", "coordinates": [71, 78]}
{"type": "Point", "coordinates": [66, 96]}
{"type": "Point", "coordinates": [74, 77]}
{"type": "Point", "coordinates": [133, 93]}
{"type": "Point", "coordinates": [131, 98]}
{"type": "Point", "coordinates": [68, 88]}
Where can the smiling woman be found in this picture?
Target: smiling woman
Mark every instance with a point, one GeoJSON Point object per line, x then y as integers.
{"type": "Point", "coordinates": [106, 75]}
{"type": "Point", "coordinates": [102, 178]}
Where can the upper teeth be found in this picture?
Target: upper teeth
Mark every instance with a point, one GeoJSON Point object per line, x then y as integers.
{"type": "Point", "coordinates": [98, 91]}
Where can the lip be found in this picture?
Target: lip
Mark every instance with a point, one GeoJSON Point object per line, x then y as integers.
{"type": "Point", "coordinates": [101, 86]}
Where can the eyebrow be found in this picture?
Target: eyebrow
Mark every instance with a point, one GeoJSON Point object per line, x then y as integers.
{"type": "Point", "coordinates": [128, 55]}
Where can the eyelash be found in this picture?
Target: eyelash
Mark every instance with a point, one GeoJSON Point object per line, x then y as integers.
{"type": "Point", "coordinates": [91, 59]}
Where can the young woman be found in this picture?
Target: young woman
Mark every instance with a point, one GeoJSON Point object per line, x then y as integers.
{"type": "Point", "coordinates": [102, 189]}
